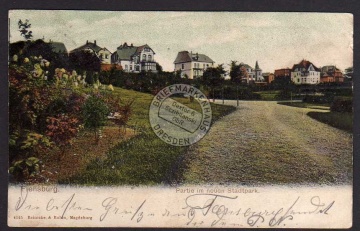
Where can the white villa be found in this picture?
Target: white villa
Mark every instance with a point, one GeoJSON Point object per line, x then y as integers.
{"type": "Point", "coordinates": [305, 72]}
{"type": "Point", "coordinates": [134, 58]}
{"type": "Point", "coordinates": [191, 64]}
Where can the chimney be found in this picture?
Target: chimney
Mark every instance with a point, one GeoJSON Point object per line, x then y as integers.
{"type": "Point", "coordinates": [87, 41]}
{"type": "Point", "coordinates": [95, 42]}
{"type": "Point", "coordinates": [131, 45]}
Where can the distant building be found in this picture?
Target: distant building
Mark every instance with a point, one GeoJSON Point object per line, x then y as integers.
{"type": "Point", "coordinates": [331, 74]}
{"type": "Point", "coordinates": [258, 73]}
{"type": "Point", "coordinates": [268, 77]}
{"type": "Point", "coordinates": [251, 74]}
{"type": "Point", "coordinates": [191, 64]}
{"type": "Point", "coordinates": [134, 58]}
{"type": "Point", "coordinates": [349, 72]}
{"type": "Point", "coordinates": [58, 47]}
{"type": "Point", "coordinates": [102, 53]}
{"type": "Point", "coordinates": [305, 72]}
{"type": "Point", "coordinates": [282, 73]}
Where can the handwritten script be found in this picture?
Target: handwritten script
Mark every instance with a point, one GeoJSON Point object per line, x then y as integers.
{"type": "Point", "coordinates": [195, 210]}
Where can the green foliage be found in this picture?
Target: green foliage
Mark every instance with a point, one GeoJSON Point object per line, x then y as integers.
{"type": "Point", "coordinates": [95, 112]}
{"type": "Point", "coordinates": [24, 29]}
{"type": "Point", "coordinates": [85, 61]}
{"type": "Point", "coordinates": [25, 167]}
{"type": "Point", "coordinates": [340, 120]}
{"type": "Point", "coordinates": [342, 104]}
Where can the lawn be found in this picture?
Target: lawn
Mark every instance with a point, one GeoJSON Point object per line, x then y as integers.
{"type": "Point", "coordinates": [144, 158]}
{"type": "Point", "coordinates": [268, 95]}
{"type": "Point", "coordinates": [307, 105]}
{"type": "Point", "coordinates": [341, 120]}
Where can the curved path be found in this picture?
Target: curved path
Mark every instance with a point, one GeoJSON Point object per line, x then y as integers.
{"type": "Point", "coordinates": [264, 142]}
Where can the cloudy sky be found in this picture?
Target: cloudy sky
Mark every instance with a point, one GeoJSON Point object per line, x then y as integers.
{"type": "Point", "coordinates": [275, 40]}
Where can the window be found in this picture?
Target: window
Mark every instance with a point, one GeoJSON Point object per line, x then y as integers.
{"type": "Point", "coordinates": [149, 58]}
{"type": "Point", "coordinates": [101, 56]}
{"type": "Point", "coordinates": [144, 57]}
{"type": "Point", "coordinates": [130, 67]}
{"type": "Point", "coordinates": [106, 56]}
{"type": "Point", "coordinates": [126, 67]}
{"type": "Point", "coordinates": [182, 66]}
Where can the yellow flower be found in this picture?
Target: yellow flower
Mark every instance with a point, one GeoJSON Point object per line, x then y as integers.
{"type": "Point", "coordinates": [26, 60]}
{"type": "Point", "coordinates": [110, 87]}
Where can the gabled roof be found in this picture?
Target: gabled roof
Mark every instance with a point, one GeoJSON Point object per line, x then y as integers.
{"type": "Point", "coordinates": [304, 64]}
{"type": "Point", "coordinates": [125, 51]}
{"type": "Point", "coordinates": [245, 65]}
{"type": "Point", "coordinates": [88, 45]}
{"type": "Point", "coordinates": [185, 56]}
{"type": "Point", "coordinates": [58, 47]}
{"type": "Point", "coordinates": [329, 68]}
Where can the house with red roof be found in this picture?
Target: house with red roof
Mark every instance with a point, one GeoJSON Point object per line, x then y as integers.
{"type": "Point", "coordinates": [305, 72]}
{"type": "Point", "coordinates": [331, 74]}
{"type": "Point", "coordinates": [134, 58]}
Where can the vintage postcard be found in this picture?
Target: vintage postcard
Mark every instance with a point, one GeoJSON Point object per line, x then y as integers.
{"type": "Point", "coordinates": [180, 119]}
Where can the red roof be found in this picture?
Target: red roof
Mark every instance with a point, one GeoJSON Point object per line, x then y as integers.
{"type": "Point", "coordinates": [108, 67]}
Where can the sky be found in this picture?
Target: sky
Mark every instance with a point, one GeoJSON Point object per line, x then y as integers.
{"type": "Point", "coordinates": [275, 40]}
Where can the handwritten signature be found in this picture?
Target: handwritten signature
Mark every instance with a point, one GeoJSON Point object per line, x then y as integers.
{"type": "Point", "coordinates": [213, 204]}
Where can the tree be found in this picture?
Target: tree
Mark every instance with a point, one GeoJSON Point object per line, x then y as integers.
{"type": "Point", "coordinates": [234, 71]}
{"type": "Point", "coordinates": [95, 112]}
{"type": "Point", "coordinates": [24, 29]}
{"type": "Point", "coordinates": [212, 77]}
{"type": "Point", "coordinates": [159, 68]}
{"type": "Point", "coordinates": [85, 61]}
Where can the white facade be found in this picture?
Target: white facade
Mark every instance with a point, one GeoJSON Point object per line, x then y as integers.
{"type": "Point", "coordinates": [303, 75]}
{"type": "Point", "coordinates": [134, 59]}
{"type": "Point", "coordinates": [193, 69]}
{"type": "Point", "coordinates": [104, 55]}
{"type": "Point", "coordinates": [192, 65]}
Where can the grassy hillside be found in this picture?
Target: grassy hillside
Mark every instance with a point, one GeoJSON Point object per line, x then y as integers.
{"type": "Point", "coordinates": [143, 159]}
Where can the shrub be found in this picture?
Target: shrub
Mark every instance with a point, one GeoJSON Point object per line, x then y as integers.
{"type": "Point", "coordinates": [341, 104]}
{"type": "Point", "coordinates": [95, 112]}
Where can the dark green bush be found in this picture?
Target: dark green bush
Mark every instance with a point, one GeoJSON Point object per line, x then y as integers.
{"type": "Point", "coordinates": [341, 104]}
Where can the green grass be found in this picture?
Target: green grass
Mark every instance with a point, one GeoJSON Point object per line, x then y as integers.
{"type": "Point", "coordinates": [144, 159]}
{"type": "Point", "coordinates": [306, 105]}
{"type": "Point", "coordinates": [268, 95]}
{"type": "Point", "coordinates": [341, 120]}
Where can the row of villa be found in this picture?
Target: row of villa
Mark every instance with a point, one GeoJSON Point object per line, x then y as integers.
{"type": "Point", "coordinates": [135, 59]}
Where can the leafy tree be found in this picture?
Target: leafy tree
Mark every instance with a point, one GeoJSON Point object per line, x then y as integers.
{"type": "Point", "coordinates": [24, 29]}
{"type": "Point", "coordinates": [85, 61]}
{"type": "Point", "coordinates": [235, 72]}
{"type": "Point", "coordinates": [213, 76]}
{"type": "Point", "coordinates": [159, 68]}
{"type": "Point", "coordinates": [95, 112]}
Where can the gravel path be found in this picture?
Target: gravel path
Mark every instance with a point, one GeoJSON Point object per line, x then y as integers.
{"type": "Point", "coordinates": [263, 142]}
